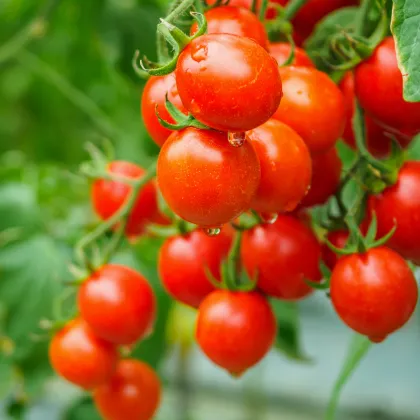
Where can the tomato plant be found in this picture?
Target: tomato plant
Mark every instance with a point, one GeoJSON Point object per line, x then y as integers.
{"type": "Point", "coordinates": [281, 52]}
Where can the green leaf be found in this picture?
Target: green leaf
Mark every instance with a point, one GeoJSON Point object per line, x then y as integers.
{"type": "Point", "coordinates": [6, 377]}
{"type": "Point", "coordinates": [82, 409]}
{"type": "Point", "coordinates": [405, 27]}
{"type": "Point", "coordinates": [358, 348]}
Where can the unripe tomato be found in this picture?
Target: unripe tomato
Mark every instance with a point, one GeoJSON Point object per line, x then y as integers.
{"type": "Point", "coordinates": [218, 74]}
{"type": "Point", "coordinates": [183, 261]}
{"type": "Point", "coordinates": [400, 205]}
{"type": "Point", "coordinates": [281, 52]}
{"type": "Point", "coordinates": [118, 304]}
{"type": "Point", "coordinates": [234, 21]}
{"type": "Point", "coordinates": [374, 293]}
{"type": "Point", "coordinates": [313, 106]}
{"type": "Point", "coordinates": [282, 256]}
{"type": "Point", "coordinates": [134, 392]}
{"type": "Point", "coordinates": [108, 196]}
{"type": "Point", "coordinates": [339, 239]}
{"type": "Point", "coordinates": [80, 357]}
{"type": "Point", "coordinates": [204, 179]}
{"type": "Point", "coordinates": [286, 167]}
{"type": "Point", "coordinates": [235, 329]}
{"type": "Point", "coordinates": [379, 88]}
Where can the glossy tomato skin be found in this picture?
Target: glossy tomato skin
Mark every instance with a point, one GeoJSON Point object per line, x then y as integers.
{"type": "Point", "coordinates": [183, 261]}
{"type": "Point", "coordinates": [400, 205]}
{"type": "Point", "coordinates": [374, 293]}
{"type": "Point", "coordinates": [235, 21]}
{"type": "Point", "coordinates": [339, 239]}
{"type": "Point", "coordinates": [80, 357]}
{"type": "Point", "coordinates": [235, 329]}
{"type": "Point", "coordinates": [154, 95]}
{"type": "Point", "coordinates": [379, 88]}
{"type": "Point", "coordinates": [326, 172]}
{"type": "Point", "coordinates": [286, 167]}
{"type": "Point", "coordinates": [133, 392]}
{"type": "Point", "coordinates": [108, 196]}
{"type": "Point", "coordinates": [281, 52]}
{"type": "Point", "coordinates": [118, 304]}
{"type": "Point", "coordinates": [282, 256]}
{"type": "Point", "coordinates": [313, 106]}
{"type": "Point", "coordinates": [204, 179]}
{"type": "Point", "coordinates": [217, 74]}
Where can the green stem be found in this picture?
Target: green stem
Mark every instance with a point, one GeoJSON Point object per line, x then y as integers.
{"type": "Point", "coordinates": [161, 48]}
{"type": "Point", "coordinates": [263, 10]}
{"type": "Point", "coordinates": [361, 21]}
{"type": "Point", "coordinates": [254, 6]}
{"type": "Point", "coordinates": [179, 11]}
{"type": "Point", "coordinates": [234, 257]}
{"type": "Point", "coordinates": [292, 8]}
{"type": "Point", "coordinates": [199, 7]}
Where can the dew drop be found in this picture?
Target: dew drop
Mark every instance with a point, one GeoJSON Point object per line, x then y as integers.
{"type": "Point", "coordinates": [212, 231]}
{"type": "Point", "coordinates": [269, 218]}
{"type": "Point", "coordinates": [194, 108]}
{"type": "Point", "coordinates": [199, 53]}
{"type": "Point", "coordinates": [237, 139]}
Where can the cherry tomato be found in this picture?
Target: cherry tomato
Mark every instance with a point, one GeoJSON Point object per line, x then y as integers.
{"type": "Point", "coordinates": [281, 52]}
{"type": "Point", "coordinates": [313, 106]}
{"type": "Point", "coordinates": [374, 293]}
{"type": "Point", "coordinates": [79, 356]}
{"type": "Point", "coordinates": [218, 74]}
{"type": "Point", "coordinates": [108, 196]}
{"type": "Point", "coordinates": [338, 238]}
{"type": "Point", "coordinates": [326, 171]}
{"type": "Point", "coordinates": [235, 329]}
{"type": "Point", "coordinates": [282, 256]}
{"type": "Point", "coordinates": [154, 94]}
{"type": "Point", "coordinates": [204, 179]}
{"type": "Point", "coordinates": [134, 392]}
{"type": "Point", "coordinates": [400, 205]}
{"type": "Point", "coordinates": [379, 88]}
{"type": "Point", "coordinates": [286, 167]}
{"type": "Point", "coordinates": [183, 261]}
{"type": "Point", "coordinates": [235, 21]}
{"type": "Point", "coordinates": [118, 304]}
{"type": "Point", "coordinates": [247, 4]}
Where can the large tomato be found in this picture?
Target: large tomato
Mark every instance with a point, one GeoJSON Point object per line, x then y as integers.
{"type": "Point", "coordinates": [204, 179]}
{"type": "Point", "coordinates": [282, 256]}
{"type": "Point", "coordinates": [281, 52]}
{"type": "Point", "coordinates": [183, 261]}
{"type": "Point", "coordinates": [313, 106]}
{"type": "Point", "coordinates": [374, 293]}
{"type": "Point", "coordinates": [118, 304]}
{"type": "Point", "coordinates": [227, 82]}
{"type": "Point", "coordinates": [286, 167]}
{"type": "Point", "coordinates": [379, 88]}
{"type": "Point", "coordinates": [235, 329]}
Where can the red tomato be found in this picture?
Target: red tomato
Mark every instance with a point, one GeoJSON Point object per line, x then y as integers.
{"type": "Point", "coordinates": [379, 88]}
{"type": "Point", "coordinates": [108, 196]}
{"type": "Point", "coordinates": [235, 329]}
{"type": "Point", "coordinates": [338, 238]}
{"type": "Point", "coordinates": [326, 171]}
{"type": "Point", "coordinates": [400, 205]}
{"type": "Point", "coordinates": [134, 392]}
{"type": "Point", "coordinates": [154, 94]}
{"type": "Point", "coordinates": [183, 261]}
{"type": "Point", "coordinates": [282, 256]}
{"type": "Point", "coordinates": [281, 52]}
{"type": "Point", "coordinates": [118, 304]}
{"type": "Point", "coordinates": [374, 293]}
{"type": "Point", "coordinates": [313, 106]}
{"type": "Point", "coordinates": [286, 167]}
{"type": "Point", "coordinates": [235, 21]}
{"type": "Point", "coordinates": [79, 356]}
{"type": "Point", "coordinates": [219, 74]}
{"type": "Point", "coordinates": [247, 4]}
{"type": "Point", "coordinates": [204, 179]}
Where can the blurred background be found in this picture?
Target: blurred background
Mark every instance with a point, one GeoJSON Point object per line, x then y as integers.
{"type": "Point", "coordinates": [65, 80]}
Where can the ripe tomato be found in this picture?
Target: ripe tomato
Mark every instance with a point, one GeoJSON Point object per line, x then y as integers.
{"type": "Point", "coordinates": [247, 4]}
{"type": "Point", "coordinates": [313, 106]}
{"type": "Point", "coordinates": [108, 196]}
{"type": "Point", "coordinates": [282, 256]}
{"type": "Point", "coordinates": [338, 238]}
{"type": "Point", "coordinates": [204, 179]}
{"type": "Point", "coordinates": [281, 52]}
{"type": "Point", "coordinates": [154, 94]}
{"type": "Point", "coordinates": [118, 304]}
{"type": "Point", "coordinates": [218, 95]}
{"type": "Point", "coordinates": [134, 392]}
{"type": "Point", "coordinates": [374, 293]}
{"type": "Point", "coordinates": [183, 261]}
{"type": "Point", "coordinates": [379, 88]}
{"type": "Point", "coordinates": [79, 356]}
{"type": "Point", "coordinates": [286, 167]}
{"type": "Point", "coordinates": [235, 21]}
{"type": "Point", "coordinates": [400, 205]}
{"type": "Point", "coordinates": [235, 329]}
{"type": "Point", "coordinates": [326, 171]}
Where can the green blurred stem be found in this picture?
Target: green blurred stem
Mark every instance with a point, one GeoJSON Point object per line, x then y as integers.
{"type": "Point", "coordinates": [263, 10]}
{"type": "Point", "coordinates": [292, 8]}
{"type": "Point", "coordinates": [179, 10]}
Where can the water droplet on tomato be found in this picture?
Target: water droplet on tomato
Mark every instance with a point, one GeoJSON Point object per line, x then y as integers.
{"type": "Point", "coordinates": [269, 218]}
{"type": "Point", "coordinates": [212, 231]}
{"type": "Point", "coordinates": [194, 108]}
{"type": "Point", "coordinates": [237, 139]}
{"type": "Point", "coordinates": [199, 52]}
